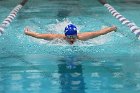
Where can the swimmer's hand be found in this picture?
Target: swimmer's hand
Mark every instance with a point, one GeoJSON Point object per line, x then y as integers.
{"type": "Point", "coordinates": [27, 31]}
{"type": "Point", "coordinates": [113, 28]}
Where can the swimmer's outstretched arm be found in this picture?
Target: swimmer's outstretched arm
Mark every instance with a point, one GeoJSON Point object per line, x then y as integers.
{"type": "Point", "coordinates": [43, 36]}
{"type": "Point", "coordinates": [90, 35]}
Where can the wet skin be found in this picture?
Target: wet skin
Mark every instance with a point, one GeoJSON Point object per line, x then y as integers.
{"type": "Point", "coordinates": [71, 39]}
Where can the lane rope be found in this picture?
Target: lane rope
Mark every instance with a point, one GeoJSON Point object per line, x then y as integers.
{"type": "Point", "coordinates": [11, 16]}
{"type": "Point", "coordinates": [132, 26]}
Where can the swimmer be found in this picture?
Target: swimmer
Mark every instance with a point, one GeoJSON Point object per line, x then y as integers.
{"type": "Point", "coordinates": [71, 34]}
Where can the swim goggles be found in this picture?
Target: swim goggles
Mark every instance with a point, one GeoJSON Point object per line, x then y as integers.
{"type": "Point", "coordinates": [71, 36]}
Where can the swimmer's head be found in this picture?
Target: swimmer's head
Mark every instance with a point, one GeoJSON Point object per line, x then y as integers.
{"type": "Point", "coordinates": [70, 30]}
{"type": "Point", "coordinates": [71, 33]}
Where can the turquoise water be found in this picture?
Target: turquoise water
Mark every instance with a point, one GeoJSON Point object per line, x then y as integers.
{"type": "Point", "coordinates": [106, 64]}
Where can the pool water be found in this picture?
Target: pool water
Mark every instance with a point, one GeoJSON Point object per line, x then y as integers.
{"type": "Point", "coordinates": [106, 64]}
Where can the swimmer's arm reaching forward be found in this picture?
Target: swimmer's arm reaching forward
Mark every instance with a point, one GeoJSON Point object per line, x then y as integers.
{"type": "Point", "coordinates": [90, 35]}
{"type": "Point", "coordinates": [43, 36]}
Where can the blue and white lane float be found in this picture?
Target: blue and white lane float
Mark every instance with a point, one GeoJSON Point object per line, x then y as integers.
{"type": "Point", "coordinates": [11, 16]}
{"type": "Point", "coordinates": [133, 27]}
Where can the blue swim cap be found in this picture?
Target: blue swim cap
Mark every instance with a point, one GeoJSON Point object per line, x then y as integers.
{"type": "Point", "coordinates": [70, 30]}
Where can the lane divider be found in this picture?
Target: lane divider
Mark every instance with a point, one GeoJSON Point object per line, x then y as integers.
{"type": "Point", "coordinates": [11, 17]}
{"type": "Point", "coordinates": [132, 26]}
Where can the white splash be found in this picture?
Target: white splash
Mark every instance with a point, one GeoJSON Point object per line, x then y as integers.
{"type": "Point", "coordinates": [58, 28]}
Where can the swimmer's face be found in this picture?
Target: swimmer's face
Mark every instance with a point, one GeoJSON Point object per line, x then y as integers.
{"type": "Point", "coordinates": [71, 38]}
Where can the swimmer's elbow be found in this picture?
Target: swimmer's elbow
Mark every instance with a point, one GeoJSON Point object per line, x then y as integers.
{"type": "Point", "coordinates": [48, 36]}
{"type": "Point", "coordinates": [44, 36]}
{"type": "Point", "coordinates": [37, 35]}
